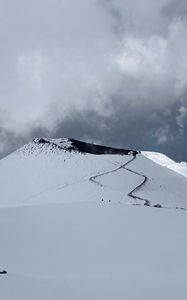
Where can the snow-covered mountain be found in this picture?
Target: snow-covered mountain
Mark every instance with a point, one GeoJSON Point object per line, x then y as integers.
{"type": "Point", "coordinates": [66, 170]}
{"type": "Point", "coordinates": [82, 221]}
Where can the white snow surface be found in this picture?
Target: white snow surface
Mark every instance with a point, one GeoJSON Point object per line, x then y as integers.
{"type": "Point", "coordinates": [165, 161]}
{"type": "Point", "coordinates": [59, 240]}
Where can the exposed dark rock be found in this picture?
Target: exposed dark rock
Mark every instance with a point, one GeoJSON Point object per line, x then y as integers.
{"type": "Point", "coordinates": [83, 147]}
{"type": "Point", "coordinates": [97, 149]}
{"type": "Point", "coordinates": [3, 272]}
{"type": "Point", "coordinates": [157, 205]}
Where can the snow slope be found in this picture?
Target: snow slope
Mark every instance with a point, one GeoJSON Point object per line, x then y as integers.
{"type": "Point", "coordinates": [59, 240]}
{"type": "Point", "coordinates": [163, 160]}
{"type": "Point", "coordinates": [43, 173]}
{"type": "Point", "coordinates": [92, 250]}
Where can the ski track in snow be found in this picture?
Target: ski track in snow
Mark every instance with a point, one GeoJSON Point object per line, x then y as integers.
{"type": "Point", "coordinates": [137, 188]}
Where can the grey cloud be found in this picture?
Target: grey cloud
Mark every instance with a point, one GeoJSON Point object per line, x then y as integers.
{"type": "Point", "coordinates": [9, 142]}
{"type": "Point", "coordinates": [109, 71]}
{"type": "Point", "coordinates": [146, 129]}
{"type": "Point", "coordinates": [175, 9]}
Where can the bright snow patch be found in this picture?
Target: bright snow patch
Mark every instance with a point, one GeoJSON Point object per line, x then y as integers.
{"type": "Point", "coordinates": [164, 160]}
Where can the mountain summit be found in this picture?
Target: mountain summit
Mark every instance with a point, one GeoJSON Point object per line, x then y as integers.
{"type": "Point", "coordinates": [83, 221]}
{"type": "Point", "coordinates": [67, 144]}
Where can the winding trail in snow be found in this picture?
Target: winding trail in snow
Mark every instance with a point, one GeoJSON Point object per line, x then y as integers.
{"type": "Point", "coordinates": [130, 194]}
{"type": "Point", "coordinates": [136, 189]}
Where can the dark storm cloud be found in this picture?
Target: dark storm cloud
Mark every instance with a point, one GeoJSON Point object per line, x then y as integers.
{"type": "Point", "coordinates": [135, 129]}
{"type": "Point", "coordinates": [176, 9]}
{"type": "Point", "coordinates": [109, 71]}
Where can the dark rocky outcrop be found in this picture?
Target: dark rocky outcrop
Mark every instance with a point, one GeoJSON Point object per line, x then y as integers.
{"type": "Point", "coordinates": [83, 147]}
{"type": "Point", "coordinates": [3, 272]}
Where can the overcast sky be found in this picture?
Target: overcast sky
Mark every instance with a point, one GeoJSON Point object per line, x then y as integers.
{"type": "Point", "coordinates": [107, 71]}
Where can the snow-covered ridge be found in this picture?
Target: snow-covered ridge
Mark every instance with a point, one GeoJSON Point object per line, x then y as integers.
{"type": "Point", "coordinates": [47, 145]}
{"type": "Point", "coordinates": [165, 161]}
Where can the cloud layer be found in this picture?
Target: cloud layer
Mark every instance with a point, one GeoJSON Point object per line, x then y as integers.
{"type": "Point", "coordinates": [110, 71]}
